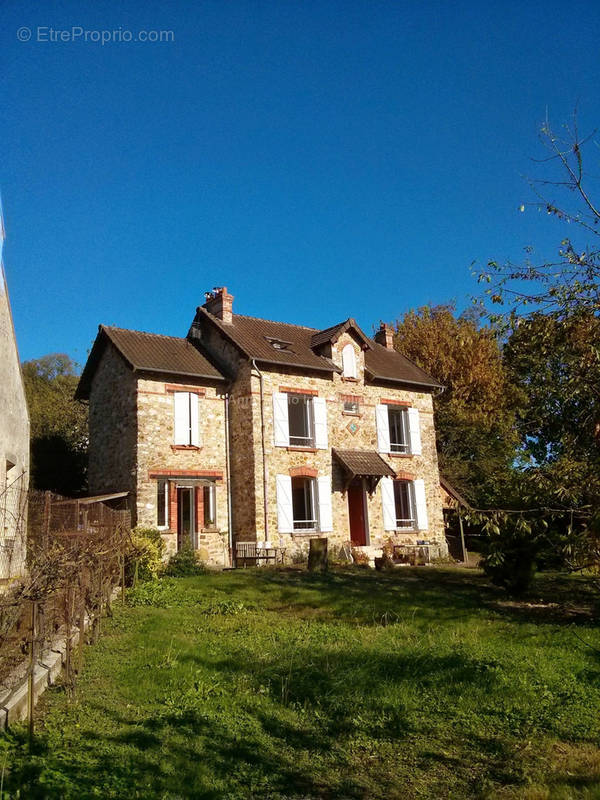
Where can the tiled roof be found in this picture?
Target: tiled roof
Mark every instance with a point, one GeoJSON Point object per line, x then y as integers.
{"type": "Point", "coordinates": [390, 365]}
{"type": "Point", "coordinates": [333, 333]}
{"type": "Point", "coordinates": [254, 337]}
{"type": "Point", "coordinates": [366, 463]}
{"type": "Point", "coordinates": [149, 352]}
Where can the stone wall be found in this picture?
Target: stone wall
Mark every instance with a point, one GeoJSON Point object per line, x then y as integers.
{"type": "Point", "coordinates": [362, 435]}
{"type": "Point", "coordinates": [158, 457]}
{"type": "Point", "coordinates": [112, 426]}
{"type": "Point", "coordinates": [14, 445]}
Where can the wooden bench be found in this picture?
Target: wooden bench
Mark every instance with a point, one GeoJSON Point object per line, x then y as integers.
{"type": "Point", "coordinates": [256, 554]}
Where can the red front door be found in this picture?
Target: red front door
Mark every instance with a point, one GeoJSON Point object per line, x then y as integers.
{"type": "Point", "coordinates": [356, 513]}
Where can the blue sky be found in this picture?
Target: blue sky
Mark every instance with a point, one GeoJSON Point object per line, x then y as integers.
{"type": "Point", "coordinates": [321, 159]}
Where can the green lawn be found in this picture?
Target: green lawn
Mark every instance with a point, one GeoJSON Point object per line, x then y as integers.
{"type": "Point", "coordinates": [263, 684]}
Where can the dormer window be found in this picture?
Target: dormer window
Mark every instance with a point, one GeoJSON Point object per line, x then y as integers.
{"type": "Point", "coordinates": [278, 344]}
{"type": "Point", "coordinates": [349, 361]}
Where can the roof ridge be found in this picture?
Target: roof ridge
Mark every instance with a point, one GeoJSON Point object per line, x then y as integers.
{"type": "Point", "coordinates": [276, 322]}
{"type": "Point", "coordinates": [144, 333]}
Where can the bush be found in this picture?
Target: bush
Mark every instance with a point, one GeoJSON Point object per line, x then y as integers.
{"type": "Point", "coordinates": [144, 559]}
{"type": "Point", "coordinates": [184, 563]}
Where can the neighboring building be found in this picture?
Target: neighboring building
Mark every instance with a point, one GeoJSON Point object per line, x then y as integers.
{"type": "Point", "coordinates": [321, 432]}
{"type": "Point", "coordinates": [14, 443]}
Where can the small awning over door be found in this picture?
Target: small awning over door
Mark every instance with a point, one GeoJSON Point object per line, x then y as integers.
{"type": "Point", "coordinates": [363, 464]}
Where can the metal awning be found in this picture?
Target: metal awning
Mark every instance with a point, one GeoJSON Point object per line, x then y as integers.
{"type": "Point", "coordinates": [363, 464]}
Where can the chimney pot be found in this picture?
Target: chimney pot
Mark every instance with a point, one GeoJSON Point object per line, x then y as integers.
{"type": "Point", "coordinates": [219, 303]}
{"type": "Point", "coordinates": [385, 336]}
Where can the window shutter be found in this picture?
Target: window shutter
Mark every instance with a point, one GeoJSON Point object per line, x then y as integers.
{"type": "Point", "coordinates": [325, 511]}
{"type": "Point", "coordinates": [414, 428]}
{"type": "Point", "coordinates": [421, 504]}
{"type": "Point", "coordinates": [194, 421]}
{"type": "Point", "coordinates": [320, 422]}
{"type": "Point", "coordinates": [285, 512]}
{"type": "Point", "coordinates": [182, 417]}
{"type": "Point", "coordinates": [389, 504]}
{"type": "Point", "coordinates": [349, 361]}
{"type": "Point", "coordinates": [383, 430]}
{"type": "Point", "coordinates": [281, 425]}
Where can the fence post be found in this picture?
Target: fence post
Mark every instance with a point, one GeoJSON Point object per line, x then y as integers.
{"type": "Point", "coordinates": [462, 538]}
{"type": "Point", "coordinates": [30, 682]}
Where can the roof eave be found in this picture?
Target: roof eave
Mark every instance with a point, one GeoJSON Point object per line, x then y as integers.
{"type": "Point", "coordinates": [391, 379]}
{"type": "Point", "coordinates": [158, 370]}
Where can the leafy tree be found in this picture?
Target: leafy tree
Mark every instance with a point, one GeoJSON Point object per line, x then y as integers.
{"type": "Point", "coordinates": [549, 312]}
{"type": "Point", "coordinates": [475, 414]}
{"type": "Point", "coordinates": [59, 436]}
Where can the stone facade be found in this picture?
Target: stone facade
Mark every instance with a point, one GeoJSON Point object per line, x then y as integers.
{"type": "Point", "coordinates": [342, 435]}
{"type": "Point", "coordinates": [132, 440]}
{"type": "Point", "coordinates": [14, 446]}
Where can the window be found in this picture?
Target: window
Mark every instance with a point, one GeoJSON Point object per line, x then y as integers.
{"type": "Point", "coordinates": [351, 406]}
{"type": "Point", "coordinates": [405, 504]}
{"type": "Point", "coordinates": [349, 361]}
{"type": "Point", "coordinates": [303, 504]}
{"type": "Point", "coordinates": [162, 503]}
{"type": "Point", "coordinates": [301, 420]}
{"type": "Point", "coordinates": [399, 430]}
{"type": "Point", "coordinates": [186, 419]}
{"type": "Point", "coordinates": [209, 505]}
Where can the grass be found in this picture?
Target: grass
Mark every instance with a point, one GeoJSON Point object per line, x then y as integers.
{"type": "Point", "coordinates": [423, 683]}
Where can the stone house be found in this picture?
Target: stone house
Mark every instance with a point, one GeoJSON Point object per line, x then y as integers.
{"type": "Point", "coordinates": [14, 443]}
{"type": "Point", "coordinates": [252, 430]}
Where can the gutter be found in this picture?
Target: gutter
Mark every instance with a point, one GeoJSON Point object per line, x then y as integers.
{"type": "Point", "coordinates": [264, 454]}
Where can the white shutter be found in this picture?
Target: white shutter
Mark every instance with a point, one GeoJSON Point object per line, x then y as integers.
{"type": "Point", "coordinates": [414, 428]}
{"type": "Point", "coordinates": [349, 361]}
{"type": "Point", "coordinates": [181, 405]}
{"type": "Point", "coordinates": [194, 422]}
{"type": "Point", "coordinates": [281, 425]}
{"type": "Point", "coordinates": [383, 429]}
{"type": "Point", "coordinates": [320, 422]}
{"type": "Point", "coordinates": [325, 512]}
{"type": "Point", "coordinates": [420, 502]}
{"type": "Point", "coordinates": [285, 511]}
{"type": "Point", "coordinates": [389, 504]}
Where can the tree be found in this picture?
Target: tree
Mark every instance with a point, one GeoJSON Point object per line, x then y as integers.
{"type": "Point", "coordinates": [549, 313]}
{"type": "Point", "coordinates": [475, 414]}
{"type": "Point", "coordinates": [59, 436]}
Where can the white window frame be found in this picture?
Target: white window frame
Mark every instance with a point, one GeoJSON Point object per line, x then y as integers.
{"type": "Point", "coordinates": [410, 423]}
{"type": "Point", "coordinates": [412, 507]}
{"type": "Point", "coordinates": [165, 493]}
{"type": "Point", "coordinates": [402, 425]}
{"type": "Point", "coordinates": [307, 402]}
{"type": "Point", "coordinates": [312, 482]}
{"type": "Point", "coordinates": [212, 505]}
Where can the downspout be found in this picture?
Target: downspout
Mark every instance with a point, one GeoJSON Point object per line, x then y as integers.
{"type": "Point", "coordinates": [228, 474]}
{"type": "Point", "coordinates": [264, 453]}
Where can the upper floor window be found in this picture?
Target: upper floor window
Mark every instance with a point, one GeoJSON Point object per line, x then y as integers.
{"type": "Point", "coordinates": [351, 405]}
{"type": "Point", "coordinates": [349, 361]}
{"type": "Point", "coordinates": [186, 427]}
{"type": "Point", "coordinates": [299, 420]}
{"type": "Point", "coordinates": [398, 429]}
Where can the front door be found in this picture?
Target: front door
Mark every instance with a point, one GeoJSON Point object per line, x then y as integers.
{"type": "Point", "coordinates": [185, 516]}
{"type": "Point", "coordinates": [357, 513]}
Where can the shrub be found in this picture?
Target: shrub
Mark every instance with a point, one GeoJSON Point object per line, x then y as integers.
{"type": "Point", "coordinates": [184, 563]}
{"type": "Point", "coordinates": [144, 559]}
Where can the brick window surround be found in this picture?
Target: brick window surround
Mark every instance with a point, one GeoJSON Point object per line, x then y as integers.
{"type": "Point", "coordinates": [303, 472]}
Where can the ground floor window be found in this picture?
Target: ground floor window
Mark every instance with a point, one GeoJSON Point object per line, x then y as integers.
{"type": "Point", "coordinates": [209, 505]}
{"type": "Point", "coordinates": [162, 504]}
{"type": "Point", "coordinates": [303, 504]}
{"type": "Point", "coordinates": [404, 498]}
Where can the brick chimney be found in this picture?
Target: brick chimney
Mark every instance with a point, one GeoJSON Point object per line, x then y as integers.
{"type": "Point", "coordinates": [385, 336]}
{"type": "Point", "coordinates": [220, 304]}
